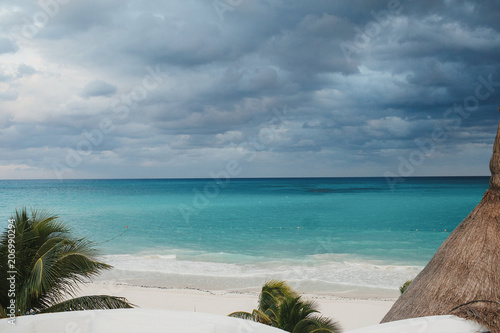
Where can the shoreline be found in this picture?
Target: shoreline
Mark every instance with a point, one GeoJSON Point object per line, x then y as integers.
{"type": "Point", "coordinates": [247, 292]}
{"type": "Point", "coordinates": [350, 312]}
{"type": "Point", "coordinates": [361, 281]}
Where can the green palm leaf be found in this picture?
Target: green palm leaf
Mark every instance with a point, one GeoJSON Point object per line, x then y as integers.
{"type": "Point", "coordinates": [256, 315]}
{"type": "Point", "coordinates": [405, 286]}
{"type": "Point", "coordinates": [273, 292]}
{"type": "Point", "coordinates": [50, 263]}
{"type": "Point", "coordinates": [292, 311]}
{"type": "Point", "coordinates": [280, 306]}
{"type": "Point", "coordinates": [241, 315]}
{"type": "Point", "coordinates": [317, 325]}
{"type": "Point", "coordinates": [89, 303]}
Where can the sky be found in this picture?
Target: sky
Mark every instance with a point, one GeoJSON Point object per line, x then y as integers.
{"type": "Point", "coordinates": [247, 88]}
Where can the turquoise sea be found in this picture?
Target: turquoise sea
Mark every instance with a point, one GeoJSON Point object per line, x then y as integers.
{"type": "Point", "coordinates": [323, 235]}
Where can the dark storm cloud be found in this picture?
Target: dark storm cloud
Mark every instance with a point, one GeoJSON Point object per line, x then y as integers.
{"type": "Point", "coordinates": [185, 86]}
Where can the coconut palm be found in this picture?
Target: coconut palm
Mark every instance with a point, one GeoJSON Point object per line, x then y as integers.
{"type": "Point", "coordinates": [280, 306]}
{"type": "Point", "coordinates": [47, 267]}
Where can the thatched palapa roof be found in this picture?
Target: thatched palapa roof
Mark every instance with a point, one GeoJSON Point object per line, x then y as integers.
{"type": "Point", "coordinates": [463, 277]}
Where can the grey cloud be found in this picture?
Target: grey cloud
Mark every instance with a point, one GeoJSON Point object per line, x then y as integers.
{"type": "Point", "coordinates": [25, 70]}
{"type": "Point", "coordinates": [74, 17]}
{"type": "Point", "coordinates": [4, 77]}
{"type": "Point", "coordinates": [224, 78]}
{"type": "Point", "coordinates": [8, 46]}
{"type": "Point", "coordinates": [98, 88]}
{"type": "Point", "coordinates": [292, 47]}
{"type": "Point", "coordinates": [9, 95]}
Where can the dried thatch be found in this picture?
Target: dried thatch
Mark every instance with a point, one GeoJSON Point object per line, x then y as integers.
{"type": "Point", "coordinates": [485, 312]}
{"type": "Point", "coordinates": [463, 277]}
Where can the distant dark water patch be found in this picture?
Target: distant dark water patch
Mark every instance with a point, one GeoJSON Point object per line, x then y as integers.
{"type": "Point", "coordinates": [344, 190]}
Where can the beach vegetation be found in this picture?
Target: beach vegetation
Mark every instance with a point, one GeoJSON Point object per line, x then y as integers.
{"type": "Point", "coordinates": [405, 286]}
{"type": "Point", "coordinates": [42, 265]}
{"type": "Point", "coordinates": [281, 307]}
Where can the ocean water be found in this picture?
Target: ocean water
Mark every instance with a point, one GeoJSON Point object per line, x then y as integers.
{"type": "Point", "coordinates": [352, 236]}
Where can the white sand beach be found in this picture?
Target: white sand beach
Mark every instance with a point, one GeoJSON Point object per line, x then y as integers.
{"type": "Point", "coordinates": [351, 313]}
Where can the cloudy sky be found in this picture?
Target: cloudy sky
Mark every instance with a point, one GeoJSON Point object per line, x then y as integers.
{"type": "Point", "coordinates": [251, 88]}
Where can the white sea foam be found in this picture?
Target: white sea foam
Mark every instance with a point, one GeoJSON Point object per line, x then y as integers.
{"type": "Point", "coordinates": [316, 274]}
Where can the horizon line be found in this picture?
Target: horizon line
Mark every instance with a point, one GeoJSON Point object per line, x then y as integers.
{"type": "Point", "coordinates": [243, 178]}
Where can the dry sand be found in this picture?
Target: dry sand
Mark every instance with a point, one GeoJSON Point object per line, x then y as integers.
{"type": "Point", "coordinates": [351, 313]}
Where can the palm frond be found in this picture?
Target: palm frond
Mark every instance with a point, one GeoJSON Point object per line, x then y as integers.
{"type": "Point", "coordinates": [46, 223]}
{"type": "Point", "coordinates": [50, 263]}
{"type": "Point", "coordinates": [405, 286]}
{"type": "Point", "coordinates": [280, 306]}
{"type": "Point", "coordinates": [97, 302]}
{"type": "Point", "coordinates": [273, 292]}
{"type": "Point", "coordinates": [292, 311]}
{"type": "Point", "coordinates": [256, 315]}
{"type": "Point", "coordinates": [261, 317]}
{"type": "Point", "coordinates": [317, 325]}
{"type": "Point", "coordinates": [241, 315]}
{"type": "Point", "coordinates": [62, 265]}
